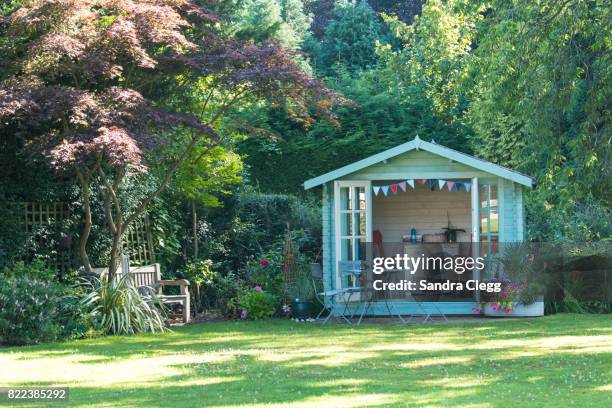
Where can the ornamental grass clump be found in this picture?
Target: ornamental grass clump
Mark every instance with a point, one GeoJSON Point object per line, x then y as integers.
{"type": "Point", "coordinates": [119, 308]}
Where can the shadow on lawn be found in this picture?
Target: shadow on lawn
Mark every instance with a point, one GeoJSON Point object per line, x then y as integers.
{"type": "Point", "coordinates": [278, 362]}
{"type": "Point", "coordinates": [218, 336]}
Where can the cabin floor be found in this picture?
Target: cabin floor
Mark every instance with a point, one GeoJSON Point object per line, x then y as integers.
{"type": "Point", "coordinates": [382, 320]}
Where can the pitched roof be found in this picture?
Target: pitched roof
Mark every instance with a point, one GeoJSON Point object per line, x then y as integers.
{"type": "Point", "coordinates": [432, 147]}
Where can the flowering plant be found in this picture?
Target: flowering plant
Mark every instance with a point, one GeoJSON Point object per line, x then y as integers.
{"type": "Point", "coordinates": [257, 303]}
{"type": "Point", "coordinates": [266, 272]}
{"type": "Point", "coordinates": [509, 295]}
{"type": "Point", "coordinates": [520, 268]}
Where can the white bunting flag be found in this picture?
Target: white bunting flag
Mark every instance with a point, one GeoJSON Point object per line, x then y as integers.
{"type": "Point", "coordinates": [468, 186]}
{"type": "Point", "coordinates": [385, 190]}
{"type": "Point", "coordinates": [376, 189]}
{"type": "Point", "coordinates": [410, 183]}
{"type": "Point", "coordinates": [441, 184]}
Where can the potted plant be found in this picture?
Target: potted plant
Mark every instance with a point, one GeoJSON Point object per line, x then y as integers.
{"type": "Point", "coordinates": [521, 278]}
{"type": "Point", "coordinates": [450, 232]}
{"type": "Point", "coordinates": [302, 296]}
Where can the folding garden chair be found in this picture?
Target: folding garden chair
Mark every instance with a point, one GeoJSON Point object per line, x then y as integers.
{"type": "Point", "coordinates": [425, 311]}
{"type": "Point", "coordinates": [327, 298]}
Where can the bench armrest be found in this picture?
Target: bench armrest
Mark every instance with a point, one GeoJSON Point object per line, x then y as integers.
{"type": "Point", "coordinates": [183, 283]}
{"type": "Point", "coordinates": [174, 282]}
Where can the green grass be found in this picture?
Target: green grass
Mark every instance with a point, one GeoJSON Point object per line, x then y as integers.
{"type": "Point", "coordinates": [552, 361]}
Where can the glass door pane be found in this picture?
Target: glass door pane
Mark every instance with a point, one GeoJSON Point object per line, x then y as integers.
{"type": "Point", "coordinates": [353, 229]}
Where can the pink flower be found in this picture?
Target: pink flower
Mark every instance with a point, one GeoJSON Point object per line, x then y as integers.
{"type": "Point", "coordinates": [265, 262]}
{"type": "Point", "coordinates": [258, 288]}
{"type": "Point", "coordinates": [507, 309]}
{"type": "Point", "coordinates": [244, 314]}
{"type": "Point", "coordinates": [476, 309]}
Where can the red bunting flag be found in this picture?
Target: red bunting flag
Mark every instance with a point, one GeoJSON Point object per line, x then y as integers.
{"type": "Point", "coordinates": [394, 188]}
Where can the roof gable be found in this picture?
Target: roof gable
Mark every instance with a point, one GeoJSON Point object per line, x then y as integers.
{"type": "Point", "coordinates": [432, 147]}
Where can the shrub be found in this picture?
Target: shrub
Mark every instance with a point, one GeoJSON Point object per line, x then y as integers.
{"type": "Point", "coordinates": [35, 270]}
{"type": "Point", "coordinates": [228, 288]}
{"type": "Point", "coordinates": [267, 271]}
{"type": "Point", "coordinates": [74, 316]}
{"type": "Point", "coordinates": [257, 303]}
{"type": "Point", "coordinates": [28, 310]}
{"type": "Point", "coordinates": [211, 291]}
{"type": "Point", "coordinates": [30, 302]}
{"type": "Point", "coordinates": [118, 308]}
{"type": "Point", "coordinates": [202, 278]}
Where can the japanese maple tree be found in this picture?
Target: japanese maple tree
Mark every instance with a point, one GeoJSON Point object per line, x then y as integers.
{"type": "Point", "coordinates": [93, 87]}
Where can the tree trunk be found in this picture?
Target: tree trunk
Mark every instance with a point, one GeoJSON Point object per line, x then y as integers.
{"type": "Point", "coordinates": [86, 222]}
{"type": "Point", "coordinates": [115, 256]}
{"type": "Point", "coordinates": [194, 227]}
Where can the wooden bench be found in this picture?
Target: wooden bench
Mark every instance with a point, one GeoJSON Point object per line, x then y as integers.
{"type": "Point", "coordinates": [148, 277]}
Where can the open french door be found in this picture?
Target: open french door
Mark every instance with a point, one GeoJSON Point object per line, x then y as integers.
{"type": "Point", "coordinates": [353, 227]}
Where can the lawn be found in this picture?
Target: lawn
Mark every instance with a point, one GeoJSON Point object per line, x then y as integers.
{"type": "Point", "coordinates": [551, 361]}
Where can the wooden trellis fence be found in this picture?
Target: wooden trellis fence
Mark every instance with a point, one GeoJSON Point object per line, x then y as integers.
{"type": "Point", "coordinates": [39, 215]}
{"type": "Point", "coordinates": [137, 241]}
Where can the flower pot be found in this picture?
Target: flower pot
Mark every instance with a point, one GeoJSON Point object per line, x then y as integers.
{"type": "Point", "coordinates": [302, 309]}
{"type": "Point", "coordinates": [519, 310]}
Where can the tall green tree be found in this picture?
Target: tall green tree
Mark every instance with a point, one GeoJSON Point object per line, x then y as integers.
{"type": "Point", "coordinates": [541, 92]}
{"type": "Point", "coordinates": [350, 38]}
{"type": "Point", "coordinates": [283, 20]}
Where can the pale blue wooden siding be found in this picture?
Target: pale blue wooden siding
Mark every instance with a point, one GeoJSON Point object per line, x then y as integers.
{"type": "Point", "coordinates": [416, 164]}
{"type": "Point", "coordinates": [507, 217]}
{"type": "Point", "coordinates": [519, 206]}
{"type": "Point", "coordinates": [328, 235]}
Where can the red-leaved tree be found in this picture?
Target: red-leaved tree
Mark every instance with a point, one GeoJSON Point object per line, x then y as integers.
{"type": "Point", "coordinates": [95, 87]}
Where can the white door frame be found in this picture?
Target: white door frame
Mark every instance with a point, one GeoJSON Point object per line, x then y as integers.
{"type": "Point", "coordinates": [475, 230]}
{"type": "Point", "coordinates": [367, 184]}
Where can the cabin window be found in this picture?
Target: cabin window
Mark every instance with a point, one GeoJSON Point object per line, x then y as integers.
{"type": "Point", "coordinates": [489, 213]}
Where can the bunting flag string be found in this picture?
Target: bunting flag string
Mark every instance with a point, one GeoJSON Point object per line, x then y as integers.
{"type": "Point", "coordinates": [431, 183]}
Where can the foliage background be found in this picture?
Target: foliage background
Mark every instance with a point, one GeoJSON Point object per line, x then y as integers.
{"type": "Point", "coordinates": [523, 84]}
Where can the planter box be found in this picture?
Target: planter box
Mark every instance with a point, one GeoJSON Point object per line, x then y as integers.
{"type": "Point", "coordinates": [520, 310]}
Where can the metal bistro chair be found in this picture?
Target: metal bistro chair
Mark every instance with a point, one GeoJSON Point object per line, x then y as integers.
{"type": "Point", "coordinates": [368, 298]}
{"type": "Point", "coordinates": [327, 298]}
{"type": "Point", "coordinates": [360, 296]}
